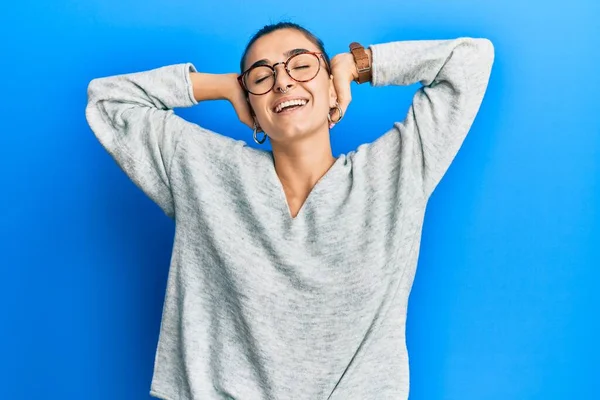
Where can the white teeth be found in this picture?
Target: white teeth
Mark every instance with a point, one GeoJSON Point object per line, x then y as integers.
{"type": "Point", "coordinates": [289, 103]}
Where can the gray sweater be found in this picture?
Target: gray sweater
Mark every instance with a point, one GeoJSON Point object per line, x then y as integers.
{"type": "Point", "coordinates": [260, 305]}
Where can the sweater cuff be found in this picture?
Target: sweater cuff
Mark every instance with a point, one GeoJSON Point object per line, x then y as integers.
{"type": "Point", "coordinates": [188, 68]}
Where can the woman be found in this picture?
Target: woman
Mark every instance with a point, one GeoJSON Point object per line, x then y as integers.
{"type": "Point", "coordinates": [291, 269]}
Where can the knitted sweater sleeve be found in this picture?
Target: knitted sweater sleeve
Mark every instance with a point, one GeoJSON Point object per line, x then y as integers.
{"type": "Point", "coordinates": [132, 117]}
{"type": "Point", "coordinates": [454, 76]}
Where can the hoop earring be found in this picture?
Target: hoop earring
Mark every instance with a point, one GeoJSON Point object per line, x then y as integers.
{"type": "Point", "coordinates": [340, 112]}
{"type": "Point", "coordinates": [255, 132]}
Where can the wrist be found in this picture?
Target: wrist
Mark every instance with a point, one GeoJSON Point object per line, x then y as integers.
{"type": "Point", "coordinates": [229, 86]}
{"type": "Point", "coordinates": [210, 86]}
{"type": "Point", "coordinates": [363, 62]}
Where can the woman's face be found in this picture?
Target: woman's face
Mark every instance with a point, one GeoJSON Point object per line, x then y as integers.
{"type": "Point", "coordinates": [318, 92]}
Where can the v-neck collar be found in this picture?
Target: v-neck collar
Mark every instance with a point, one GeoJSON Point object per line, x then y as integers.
{"type": "Point", "coordinates": [318, 189]}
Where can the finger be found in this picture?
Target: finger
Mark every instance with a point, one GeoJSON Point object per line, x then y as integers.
{"type": "Point", "coordinates": [344, 95]}
{"type": "Point", "coordinates": [242, 110]}
{"type": "Point", "coordinates": [245, 118]}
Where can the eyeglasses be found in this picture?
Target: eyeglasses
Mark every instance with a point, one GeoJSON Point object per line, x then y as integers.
{"type": "Point", "coordinates": [301, 67]}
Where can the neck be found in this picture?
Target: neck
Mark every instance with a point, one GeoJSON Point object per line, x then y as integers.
{"type": "Point", "coordinates": [301, 163]}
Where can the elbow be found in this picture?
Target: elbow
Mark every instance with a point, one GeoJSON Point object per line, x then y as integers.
{"type": "Point", "coordinates": [93, 89]}
{"type": "Point", "coordinates": [486, 51]}
{"type": "Point", "coordinates": [482, 54]}
{"type": "Point", "coordinates": [480, 49]}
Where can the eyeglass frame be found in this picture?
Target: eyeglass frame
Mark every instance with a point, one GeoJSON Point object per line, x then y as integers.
{"type": "Point", "coordinates": [318, 54]}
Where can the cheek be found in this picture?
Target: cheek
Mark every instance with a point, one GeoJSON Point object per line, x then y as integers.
{"type": "Point", "coordinates": [321, 100]}
{"type": "Point", "coordinates": [258, 106]}
{"type": "Point", "coordinates": [322, 93]}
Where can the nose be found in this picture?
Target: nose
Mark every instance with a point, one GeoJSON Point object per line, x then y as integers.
{"type": "Point", "coordinates": [283, 81]}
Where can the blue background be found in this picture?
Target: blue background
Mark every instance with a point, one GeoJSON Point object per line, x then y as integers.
{"type": "Point", "coordinates": [504, 305]}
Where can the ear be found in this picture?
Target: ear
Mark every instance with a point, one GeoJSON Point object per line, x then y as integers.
{"type": "Point", "coordinates": [332, 93]}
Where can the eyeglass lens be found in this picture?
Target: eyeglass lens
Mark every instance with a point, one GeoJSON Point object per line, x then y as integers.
{"type": "Point", "coordinates": [300, 67]}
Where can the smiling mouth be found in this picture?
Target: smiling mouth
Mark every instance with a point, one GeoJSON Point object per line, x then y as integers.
{"type": "Point", "coordinates": [289, 106]}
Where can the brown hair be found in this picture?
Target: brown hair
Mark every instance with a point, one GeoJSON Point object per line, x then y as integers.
{"type": "Point", "coordinates": [285, 25]}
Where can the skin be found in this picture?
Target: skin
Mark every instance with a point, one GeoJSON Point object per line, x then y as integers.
{"type": "Point", "coordinates": [300, 140]}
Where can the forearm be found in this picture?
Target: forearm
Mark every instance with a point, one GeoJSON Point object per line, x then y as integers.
{"type": "Point", "coordinates": [212, 86]}
{"type": "Point", "coordinates": [465, 62]}
{"type": "Point", "coordinates": [163, 88]}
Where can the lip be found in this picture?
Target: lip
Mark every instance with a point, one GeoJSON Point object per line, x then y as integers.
{"type": "Point", "coordinates": [284, 99]}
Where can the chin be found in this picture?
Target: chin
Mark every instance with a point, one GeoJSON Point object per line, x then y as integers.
{"type": "Point", "coordinates": [292, 132]}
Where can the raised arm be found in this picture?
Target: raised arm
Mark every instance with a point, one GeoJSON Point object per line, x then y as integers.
{"type": "Point", "coordinates": [132, 117]}
{"type": "Point", "coordinates": [454, 75]}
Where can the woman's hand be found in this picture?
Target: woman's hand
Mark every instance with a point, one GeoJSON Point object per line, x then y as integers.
{"type": "Point", "coordinates": [222, 87]}
{"type": "Point", "coordinates": [237, 97]}
{"type": "Point", "coordinates": [344, 71]}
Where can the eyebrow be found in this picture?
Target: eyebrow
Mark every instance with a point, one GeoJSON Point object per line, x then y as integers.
{"type": "Point", "coordinates": [287, 54]}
